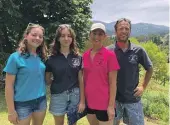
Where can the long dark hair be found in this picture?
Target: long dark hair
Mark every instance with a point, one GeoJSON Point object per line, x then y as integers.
{"type": "Point", "coordinates": [55, 46]}
{"type": "Point", "coordinates": [22, 47]}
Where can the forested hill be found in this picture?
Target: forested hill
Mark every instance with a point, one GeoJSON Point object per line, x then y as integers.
{"type": "Point", "coordinates": [139, 29]}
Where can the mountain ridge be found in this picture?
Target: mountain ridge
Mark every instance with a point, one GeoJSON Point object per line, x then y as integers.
{"type": "Point", "coordinates": [138, 29]}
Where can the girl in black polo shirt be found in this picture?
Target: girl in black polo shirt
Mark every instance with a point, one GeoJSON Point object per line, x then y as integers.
{"type": "Point", "coordinates": [64, 64]}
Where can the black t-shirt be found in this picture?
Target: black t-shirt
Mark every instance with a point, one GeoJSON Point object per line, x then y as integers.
{"type": "Point", "coordinates": [65, 71]}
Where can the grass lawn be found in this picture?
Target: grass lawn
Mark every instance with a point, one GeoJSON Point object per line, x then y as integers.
{"type": "Point", "coordinates": [48, 119]}
{"type": "Point", "coordinates": [155, 101]}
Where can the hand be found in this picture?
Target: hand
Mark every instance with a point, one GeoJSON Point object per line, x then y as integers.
{"type": "Point", "coordinates": [13, 118]}
{"type": "Point", "coordinates": [110, 112]}
{"type": "Point", "coordinates": [81, 107]}
{"type": "Point", "coordinates": [138, 91]}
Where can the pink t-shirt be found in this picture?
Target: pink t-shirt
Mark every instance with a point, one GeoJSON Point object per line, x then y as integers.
{"type": "Point", "coordinates": [96, 77]}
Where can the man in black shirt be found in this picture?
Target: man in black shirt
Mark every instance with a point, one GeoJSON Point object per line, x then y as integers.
{"type": "Point", "coordinates": [129, 92]}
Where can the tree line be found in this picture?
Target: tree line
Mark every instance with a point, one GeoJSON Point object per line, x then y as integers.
{"type": "Point", "coordinates": [16, 14]}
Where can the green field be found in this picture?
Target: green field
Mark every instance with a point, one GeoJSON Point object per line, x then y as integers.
{"type": "Point", "coordinates": [155, 102]}
{"type": "Point", "coordinates": [48, 119]}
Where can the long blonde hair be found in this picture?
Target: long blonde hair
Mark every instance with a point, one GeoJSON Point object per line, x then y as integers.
{"type": "Point", "coordinates": [41, 50]}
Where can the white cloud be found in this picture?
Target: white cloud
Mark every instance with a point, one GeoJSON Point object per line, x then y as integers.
{"type": "Point", "coordinates": [148, 11]}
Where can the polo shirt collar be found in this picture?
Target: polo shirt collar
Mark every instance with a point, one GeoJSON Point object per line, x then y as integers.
{"type": "Point", "coordinates": [71, 53]}
{"type": "Point", "coordinates": [31, 54]}
{"type": "Point", "coordinates": [100, 50]}
{"type": "Point", "coordinates": [130, 47]}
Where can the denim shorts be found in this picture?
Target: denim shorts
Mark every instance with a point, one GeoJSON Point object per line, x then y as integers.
{"type": "Point", "coordinates": [61, 103]}
{"type": "Point", "coordinates": [132, 113]}
{"type": "Point", "coordinates": [24, 109]}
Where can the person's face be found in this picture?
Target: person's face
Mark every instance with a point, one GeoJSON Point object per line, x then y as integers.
{"type": "Point", "coordinates": [123, 31]}
{"type": "Point", "coordinates": [97, 36]}
{"type": "Point", "coordinates": [65, 38]}
{"type": "Point", "coordinates": [35, 37]}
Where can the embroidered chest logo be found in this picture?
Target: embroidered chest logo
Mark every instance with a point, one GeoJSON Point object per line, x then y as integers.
{"type": "Point", "coordinates": [75, 62]}
{"type": "Point", "coordinates": [100, 61]}
{"type": "Point", "coordinates": [133, 59]}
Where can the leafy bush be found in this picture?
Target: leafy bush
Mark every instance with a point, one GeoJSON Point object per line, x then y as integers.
{"type": "Point", "coordinates": [155, 103]}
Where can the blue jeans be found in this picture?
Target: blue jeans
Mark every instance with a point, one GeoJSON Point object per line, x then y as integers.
{"type": "Point", "coordinates": [132, 113]}
{"type": "Point", "coordinates": [63, 102]}
{"type": "Point", "coordinates": [26, 108]}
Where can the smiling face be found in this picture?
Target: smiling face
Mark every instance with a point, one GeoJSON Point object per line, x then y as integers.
{"type": "Point", "coordinates": [97, 37]}
{"type": "Point", "coordinates": [65, 38]}
{"type": "Point", "coordinates": [123, 31]}
{"type": "Point", "coordinates": [34, 37]}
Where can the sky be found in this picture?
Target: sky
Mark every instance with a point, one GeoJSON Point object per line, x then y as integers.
{"type": "Point", "coordinates": [146, 11]}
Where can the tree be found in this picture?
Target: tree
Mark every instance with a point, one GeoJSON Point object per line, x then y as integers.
{"type": "Point", "coordinates": [8, 24]}
{"type": "Point", "coordinates": [142, 38]}
{"type": "Point", "coordinates": [159, 60]}
{"type": "Point", "coordinates": [18, 13]}
{"type": "Point", "coordinates": [156, 39]}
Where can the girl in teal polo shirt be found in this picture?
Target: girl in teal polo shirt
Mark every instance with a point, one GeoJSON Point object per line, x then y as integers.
{"type": "Point", "coordinates": [25, 84]}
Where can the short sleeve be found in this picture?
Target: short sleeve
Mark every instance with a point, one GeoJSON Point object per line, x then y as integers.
{"type": "Point", "coordinates": [145, 60]}
{"type": "Point", "coordinates": [48, 67]}
{"type": "Point", "coordinates": [85, 59]}
{"type": "Point", "coordinates": [11, 66]}
{"type": "Point", "coordinates": [112, 62]}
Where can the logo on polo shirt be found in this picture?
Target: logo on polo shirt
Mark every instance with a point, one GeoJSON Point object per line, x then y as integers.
{"type": "Point", "coordinates": [133, 59]}
{"type": "Point", "coordinates": [75, 62]}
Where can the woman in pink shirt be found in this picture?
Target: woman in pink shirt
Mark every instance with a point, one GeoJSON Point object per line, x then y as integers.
{"type": "Point", "coordinates": [100, 72]}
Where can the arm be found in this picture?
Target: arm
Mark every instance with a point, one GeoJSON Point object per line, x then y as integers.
{"type": "Point", "coordinates": [147, 64]}
{"type": "Point", "coordinates": [113, 68]}
{"type": "Point", "coordinates": [81, 84]}
{"type": "Point", "coordinates": [48, 72]}
{"type": "Point", "coordinates": [11, 70]}
{"type": "Point", "coordinates": [112, 93]}
{"type": "Point", "coordinates": [48, 78]}
{"type": "Point", "coordinates": [82, 96]}
{"type": "Point", "coordinates": [9, 96]}
{"type": "Point", "coordinates": [9, 92]}
{"type": "Point", "coordinates": [147, 77]}
{"type": "Point", "coordinates": [139, 90]}
{"type": "Point", "coordinates": [112, 87]}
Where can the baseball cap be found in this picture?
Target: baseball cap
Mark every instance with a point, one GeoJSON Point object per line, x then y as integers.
{"type": "Point", "coordinates": [98, 26]}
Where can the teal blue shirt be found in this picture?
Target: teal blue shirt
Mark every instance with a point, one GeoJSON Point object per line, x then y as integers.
{"type": "Point", "coordinates": [30, 76]}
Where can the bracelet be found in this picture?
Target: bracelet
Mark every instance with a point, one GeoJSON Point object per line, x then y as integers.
{"type": "Point", "coordinates": [9, 114]}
